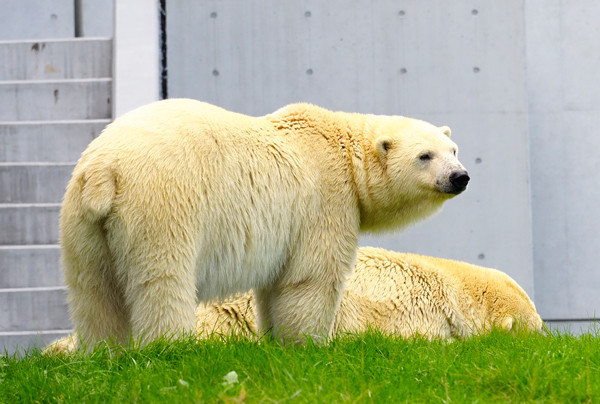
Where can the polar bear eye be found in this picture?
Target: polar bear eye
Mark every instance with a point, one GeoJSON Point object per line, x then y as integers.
{"type": "Point", "coordinates": [425, 156]}
{"type": "Point", "coordinates": [455, 152]}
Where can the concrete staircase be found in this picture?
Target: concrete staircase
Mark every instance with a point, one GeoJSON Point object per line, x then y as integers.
{"type": "Point", "coordinates": [55, 97]}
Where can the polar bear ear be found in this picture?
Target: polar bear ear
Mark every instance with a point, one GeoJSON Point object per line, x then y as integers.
{"type": "Point", "coordinates": [382, 146]}
{"type": "Point", "coordinates": [446, 130]}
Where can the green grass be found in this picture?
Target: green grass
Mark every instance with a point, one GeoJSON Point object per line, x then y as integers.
{"type": "Point", "coordinates": [365, 368]}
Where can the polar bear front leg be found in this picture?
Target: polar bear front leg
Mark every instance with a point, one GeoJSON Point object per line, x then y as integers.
{"type": "Point", "coordinates": [306, 298]}
{"type": "Point", "coordinates": [304, 309]}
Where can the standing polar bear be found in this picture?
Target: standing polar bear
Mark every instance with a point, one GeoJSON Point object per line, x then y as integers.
{"type": "Point", "coordinates": [180, 201]}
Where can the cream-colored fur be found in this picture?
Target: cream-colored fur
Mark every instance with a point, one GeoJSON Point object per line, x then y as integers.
{"type": "Point", "coordinates": [403, 294]}
{"type": "Point", "coordinates": [181, 201]}
{"type": "Point", "coordinates": [411, 294]}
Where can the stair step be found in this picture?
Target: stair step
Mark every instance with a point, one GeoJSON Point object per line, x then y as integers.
{"type": "Point", "coordinates": [29, 223]}
{"type": "Point", "coordinates": [30, 266]}
{"type": "Point", "coordinates": [55, 100]}
{"type": "Point", "coordinates": [51, 59]}
{"type": "Point", "coordinates": [22, 341]}
{"type": "Point", "coordinates": [34, 182]}
{"type": "Point", "coordinates": [33, 309]}
{"type": "Point", "coordinates": [47, 141]}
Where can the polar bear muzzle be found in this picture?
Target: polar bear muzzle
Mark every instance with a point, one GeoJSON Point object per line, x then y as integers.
{"type": "Point", "coordinates": [458, 182]}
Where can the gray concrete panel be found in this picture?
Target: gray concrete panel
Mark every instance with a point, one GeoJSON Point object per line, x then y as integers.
{"type": "Point", "coordinates": [97, 18]}
{"type": "Point", "coordinates": [29, 223]}
{"type": "Point", "coordinates": [34, 309]}
{"type": "Point", "coordinates": [381, 57]}
{"type": "Point", "coordinates": [29, 19]}
{"type": "Point", "coordinates": [565, 222]}
{"type": "Point", "coordinates": [47, 141]}
{"type": "Point", "coordinates": [544, 59]}
{"type": "Point", "coordinates": [47, 100]}
{"type": "Point", "coordinates": [137, 56]}
{"type": "Point", "coordinates": [34, 182]}
{"type": "Point", "coordinates": [580, 55]}
{"type": "Point", "coordinates": [563, 62]}
{"type": "Point", "coordinates": [30, 266]}
{"type": "Point", "coordinates": [56, 59]}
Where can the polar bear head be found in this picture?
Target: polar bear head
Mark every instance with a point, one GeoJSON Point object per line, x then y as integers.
{"type": "Point", "coordinates": [417, 170]}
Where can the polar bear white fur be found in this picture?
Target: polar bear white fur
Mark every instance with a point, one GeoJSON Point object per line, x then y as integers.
{"type": "Point", "coordinates": [181, 201]}
{"type": "Point", "coordinates": [411, 294]}
{"type": "Point", "coordinates": [403, 294]}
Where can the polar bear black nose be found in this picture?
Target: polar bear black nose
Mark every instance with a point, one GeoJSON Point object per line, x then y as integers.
{"type": "Point", "coordinates": [459, 180]}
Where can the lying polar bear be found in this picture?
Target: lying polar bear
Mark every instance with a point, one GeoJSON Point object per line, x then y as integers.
{"type": "Point", "coordinates": [397, 293]}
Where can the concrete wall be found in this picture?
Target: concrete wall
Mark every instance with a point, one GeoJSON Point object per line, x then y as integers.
{"type": "Point", "coordinates": [516, 80]}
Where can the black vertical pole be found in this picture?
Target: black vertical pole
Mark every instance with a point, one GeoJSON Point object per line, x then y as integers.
{"type": "Point", "coordinates": [77, 8]}
{"type": "Point", "coordinates": [163, 50]}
